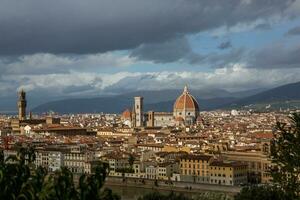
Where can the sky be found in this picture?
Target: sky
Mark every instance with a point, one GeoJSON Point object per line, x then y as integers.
{"type": "Point", "coordinates": [99, 47]}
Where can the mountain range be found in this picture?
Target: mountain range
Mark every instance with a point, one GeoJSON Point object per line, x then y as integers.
{"type": "Point", "coordinates": [163, 100]}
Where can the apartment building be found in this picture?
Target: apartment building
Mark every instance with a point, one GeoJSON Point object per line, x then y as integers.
{"type": "Point", "coordinates": [76, 158]}
{"type": "Point", "coordinates": [228, 173]}
{"type": "Point", "coordinates": [195, 168]}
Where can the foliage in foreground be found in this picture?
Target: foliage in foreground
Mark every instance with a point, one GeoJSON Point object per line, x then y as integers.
{"type": "Point", "coordinates": [259, 193]}
{"type": "Point", "coordinates": [285, 155]}
{"type": "Point", "coordinates": [22, 181]}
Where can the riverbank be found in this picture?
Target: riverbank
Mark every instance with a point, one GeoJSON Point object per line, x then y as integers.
{"type": "Point", "coordinates": [131, 184]}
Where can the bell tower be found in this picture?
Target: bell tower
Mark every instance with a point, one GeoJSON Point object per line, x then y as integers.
{"type": "Point", "coordinates": [138, 108]}
{"type": "Point", "coordinates": [22, 105]}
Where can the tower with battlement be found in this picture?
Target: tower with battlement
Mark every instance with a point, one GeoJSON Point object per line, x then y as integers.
{"type": "Point", "coordinates": [22, 103]}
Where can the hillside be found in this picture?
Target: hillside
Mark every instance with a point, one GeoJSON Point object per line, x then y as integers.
{"type": "Point", "coordinates": [163, 100]}
{"type": "Point", "coordinates": [117, 105]}
{"type": "Point", "coordinates": [278, 96]}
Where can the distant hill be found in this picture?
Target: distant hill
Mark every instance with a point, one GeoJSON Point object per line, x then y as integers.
{"type": "Point", "coordinates": [279, 95]}
{"type": "Point", "coordinates": [159, 100]}
{"type": "Point", "coordinates": [117, 105]}
{"type": "Point", "coordinates": [163, 100]}
{"type": "Point", "coordinates": [8, 104]}
{"type": "Point", "coordinates": [204, 104]}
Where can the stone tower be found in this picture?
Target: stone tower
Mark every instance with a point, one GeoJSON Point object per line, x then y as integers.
{"type": "Point", "coordinates": [150, 122]}
{"type": "Point", "coordinates": [138, 108]}
{"type": "Point", "coordinates": [22, 105]}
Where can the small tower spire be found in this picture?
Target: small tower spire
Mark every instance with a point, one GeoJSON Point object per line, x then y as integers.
{"type": "Point", "coordinates": [185, 90]}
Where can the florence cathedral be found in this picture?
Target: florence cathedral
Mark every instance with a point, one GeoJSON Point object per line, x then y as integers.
{"type": "Point", "coordinates": [185, 113]}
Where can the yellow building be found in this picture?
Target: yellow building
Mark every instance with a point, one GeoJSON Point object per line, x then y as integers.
{"type": "Point", "coordinates": [195, 168]}
{"type": "Point", "coordinates": [228, 173]}
{"type": "Point", "coordinates": [258, 163]}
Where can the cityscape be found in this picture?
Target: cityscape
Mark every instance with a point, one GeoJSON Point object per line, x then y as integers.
{"type": "Point", "coordinates": [180, 149]}
{"type": "Point", "coordinates": [150, 100]}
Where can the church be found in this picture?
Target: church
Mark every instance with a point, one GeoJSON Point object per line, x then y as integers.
{"type": "Point", "coordinates": [185, 113]}
{"type": "Point", "coordinates": [18, 124]}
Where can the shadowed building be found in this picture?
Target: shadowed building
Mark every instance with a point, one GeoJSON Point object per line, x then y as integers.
{"type": "Point", "coordinates": [22, 121]}
{"type": "Point", "coordinates": [22, 103]}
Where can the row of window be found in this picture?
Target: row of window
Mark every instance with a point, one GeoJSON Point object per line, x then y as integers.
{"type": "Point", "coordinates": [194, 161]}
{"type": "Point", "coordinates": [194, 166]}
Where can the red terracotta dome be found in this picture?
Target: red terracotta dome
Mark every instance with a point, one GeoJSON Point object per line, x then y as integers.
{"type": "Point", "coordinates": [186, 101]}
{"type": "Point", "coordinates": [126, 114]}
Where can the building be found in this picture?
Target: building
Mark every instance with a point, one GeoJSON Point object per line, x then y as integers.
{"type": "Point", "coordinates": [228, 173]}
{"type": "Point", "coordinates": [163, 119]}
{"type": "Point", "coordinates": [77, 157]}
{"type": "Point", "coordinates": [61, 130]}
{"type": "Point", "coordinates": [186, 108]}
{"type": "Point", "coordinates": [18, 124]}
{"type": "Point", "coordinates": [138, 110]}
{"type": "Point", "coordinates": [166, 170]}
{"type": "Point", "coordinates": [195, 168]}
{"type": "Point", "coordinates": [258, 164]}
{"type": "Point", "coordinates": [185, 112]}
{"type": "Point", "coordinates": [150, 119]}
{"type": "Point", "coordinates": [126, 118]}
{"type": "Point", "coordinates": [22, 103]}
{"type": "Point", "coordinates": [52, 158]}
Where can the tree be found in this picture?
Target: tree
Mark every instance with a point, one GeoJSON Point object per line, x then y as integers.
{"type": "Point", "coordinates": [19, 181]}
{"type": "Point", "coordinates": [285, 169]}
{"type": "Point", "coordinates": [131, 160]}
{"type": "Point", "coordinates": [285, 155]}
{"type": "Point", "coordinates": [259, 193]}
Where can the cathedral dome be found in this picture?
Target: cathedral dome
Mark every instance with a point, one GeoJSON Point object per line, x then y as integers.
{"type": "Point", "coordinates": [126, 114]}
{"type": "Point", "coordinates": [186, 102]}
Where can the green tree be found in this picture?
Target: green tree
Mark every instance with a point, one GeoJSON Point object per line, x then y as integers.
{"type": "Point", "coordinates": [285, 170]}
{"type": "Point", "coordinates": [131, 160]}
{"type": "Point", "coordinates": [20, 181]}
{"type": "Point", "coordinates": [259, 193]}
{"type": "Point", "coordinates": [285, 155]}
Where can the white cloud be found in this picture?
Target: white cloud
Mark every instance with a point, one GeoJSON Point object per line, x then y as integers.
{"type": "Point", "coordinates": [45, 63]}
{"type": "Point", "coordinates": [233, 77]}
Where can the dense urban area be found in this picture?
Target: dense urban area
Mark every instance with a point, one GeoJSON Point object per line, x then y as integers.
{"type": "Point", "coordinates": [229, 148]}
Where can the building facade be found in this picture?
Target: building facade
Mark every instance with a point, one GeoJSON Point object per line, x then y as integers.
{"type": "Point", "coordinates": [228, 173]}
{"type": "Point", "coordinates": [195, 168]}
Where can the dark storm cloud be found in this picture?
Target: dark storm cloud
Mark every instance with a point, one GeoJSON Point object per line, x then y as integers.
{"type": "Point", "coordinates": [276, 56]}
{"type": "Point", "coordinates": [170, 51]}
{"type": "Point", "coordinates": [225, 45]}
{"type": "Point", "coordinates": [294, 31]}
{"type": "Point", "coordinates": [179, 49]}
{"type": "Point", "coordinates": [90, 26]}
{"type": "Point", "coordinates": [219, 60]}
